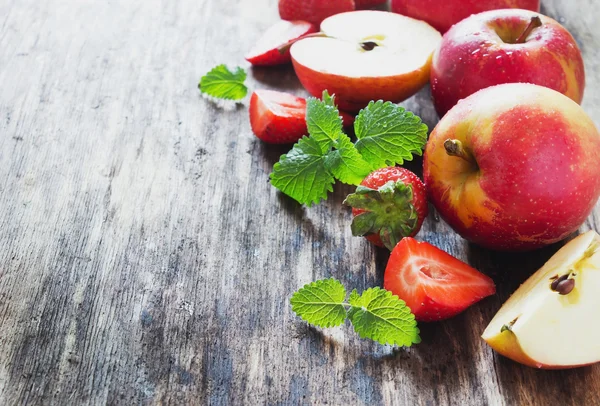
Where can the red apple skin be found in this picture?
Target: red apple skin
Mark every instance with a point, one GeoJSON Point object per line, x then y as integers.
{"type": "Point", "coordinates": [442, 14]}
{"type": "Point", "coordinates": [535, 179]}
{"type": "Point", "coordinates": [472, 57]}
{"type": "Point", "coordinates": [354, 93]}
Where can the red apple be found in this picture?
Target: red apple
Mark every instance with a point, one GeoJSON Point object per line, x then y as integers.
{"type": "Point", "coordinates": [505, 46]}
{"type": "Point", "coordinates": [514, 167]}
{"type": "Point", "coordinates": [313, 11]}
{"type": "Point", "coordinates": [266, 51]}
{"type": "Point", "coordinates": [364, 56]}
{"type": "Point", "coordinates": [442, 14]}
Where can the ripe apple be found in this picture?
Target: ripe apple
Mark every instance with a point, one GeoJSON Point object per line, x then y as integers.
{"type": "Point", "coordinates": [550, 321]}
{"type": "Point", "coordinates": [313, 11]}
{"type": "Point", "coordinates": [514, 167]}
{"type": "Point", "coordinates": [364, 56]}
{"type": "Point", "coordinates": [505, 46]}
{"type": "Point", "coordinates": [443, 14]}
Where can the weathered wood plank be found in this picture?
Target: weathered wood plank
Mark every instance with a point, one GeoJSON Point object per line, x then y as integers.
{"type": "Point", "coordinates": [144, 257]}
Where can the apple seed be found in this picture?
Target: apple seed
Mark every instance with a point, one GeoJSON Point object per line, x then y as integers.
{"type": "Point", "coordinates": [565, 287]}
{"type": "Point", "coordinates": [554, 285]}
{"type": "Point", "coordinates": [369, 45]}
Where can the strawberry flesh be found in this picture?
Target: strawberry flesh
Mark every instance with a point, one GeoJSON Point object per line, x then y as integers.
{"type": "Point", "coordinates": [266, 52]}
{"type": "Point", "coordinates": [314, 11]}
{"type": "Point", "coordinates": [280, 118]}
{"type": "Point", "coordinates": [433, 283]}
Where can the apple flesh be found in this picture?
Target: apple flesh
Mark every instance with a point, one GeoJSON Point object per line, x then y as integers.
{"type": "Point", "coordinates": [443, 14]}
{"type": "Point", "coordinates": [364, 56]}
{"type": "Point", "coordinates": [514, 167]}
{"type": "Point", "coordinates": [505, 46]}
{"type": "Point", "coordinates": [545, 326]}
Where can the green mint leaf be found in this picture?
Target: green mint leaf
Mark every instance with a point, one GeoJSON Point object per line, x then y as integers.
{"type": "Point", "coordinates": [321, 303]}
{"type": "Point", "coordinates": [222, 83]}
{"type": "Point", "coordinates": [323, 121]}
{"type": "Point", "coordinates": [345, 163]}
{"type": "Point", "coordinates": [379, 315]}
{"type": "Point", "coordinates": [301, 173]}
{"type": "Point", "coordinates": [388, 134]}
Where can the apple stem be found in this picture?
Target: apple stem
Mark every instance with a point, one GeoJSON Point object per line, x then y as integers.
{"type": "Point", "coordinates": [284, 48]}
{"type": "Point", "coordinates": [533, 24]}
{"type": "Point", "coordinates": [456, 148]}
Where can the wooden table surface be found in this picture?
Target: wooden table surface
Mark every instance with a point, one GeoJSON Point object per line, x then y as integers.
{"type": "Point", "coordinates": [146, 259]}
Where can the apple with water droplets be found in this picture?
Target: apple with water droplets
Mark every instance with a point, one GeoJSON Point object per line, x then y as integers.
{"type": "Point", "coordinates": [505, 46]}
{"type": "Point", "coordinates": [514, 167]}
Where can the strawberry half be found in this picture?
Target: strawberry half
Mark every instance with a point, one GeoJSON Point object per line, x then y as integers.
{"type": "Point", "coordinates": [314, 11]}
{"type": "Point", "coordinates": [280, 118]}
{"type": "Point", "coordinates": [433, 283]}
{"type": "Point", "coordinates": [389, 204]}
{"type": "Point", "coordinates": [266, 52]}
{"type": "Point", "coordinates": [362, 4]}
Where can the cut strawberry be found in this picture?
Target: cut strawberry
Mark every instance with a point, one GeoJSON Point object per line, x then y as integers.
{"type": "Point", "coordinates": [280, 118]}
{"type": "Point", "coordinates": [314, 11]}
{"type": "Point", "coordinates": [362, 4]}
{"type": "Point", "coordinates": [266, 53]}
{"type": "Point", "coordinates": [389, 204]}
{"type": "Point", "coordinates": [433, 283]}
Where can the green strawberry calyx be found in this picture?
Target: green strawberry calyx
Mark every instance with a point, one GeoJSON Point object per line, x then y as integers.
{"type": "Point", "coordinates": [388, 212]}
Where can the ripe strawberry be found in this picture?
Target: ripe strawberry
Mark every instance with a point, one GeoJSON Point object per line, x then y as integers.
{"type": "Point", "coordinates": [433, 283]}
{"type": "Point", "coordinates": [266, 52]}
{"type": "Point", "coordinates": [362, 4]}
{"type": "Point", "coordinates": [314, 11]}
{"type": "Point", "coordinates": [389, 204]}
{"type": "Point", "coordinates": [280, 118]}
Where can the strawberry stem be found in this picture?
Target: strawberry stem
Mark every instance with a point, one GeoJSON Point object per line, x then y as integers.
{"type": "Point", "coordinates": [533, 24]}
{"type": "Point", "coordinates": [284, 48]}
{"type": "Point", "coordinates": [456, 148]}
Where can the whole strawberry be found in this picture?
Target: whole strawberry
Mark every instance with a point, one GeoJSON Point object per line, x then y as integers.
{"type": "Point", "coordinates": [389, 204]}
{"type": "Point", "coordinates": [313, 11]}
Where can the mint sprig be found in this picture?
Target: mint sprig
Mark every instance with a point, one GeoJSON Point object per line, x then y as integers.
{"type": "Point", "coordinates": [387, 135]}
{"type": "Point", "coordinates": [376, 314]}
{"type": "Point", "coordinates": [223, 83]}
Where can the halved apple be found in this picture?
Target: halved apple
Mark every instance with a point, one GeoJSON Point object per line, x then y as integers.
{"type": "Point", "coordinates": [551, 320]}
{"type": "Point", "coordinates": [366, 55]}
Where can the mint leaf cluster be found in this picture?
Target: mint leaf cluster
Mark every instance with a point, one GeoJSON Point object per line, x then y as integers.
{"type": "Point", "coordinates": [387, 135]}
{"type": "Point", "coordinates": [376, 314]}
{"type": "Point", "coordinates": [223, 83]}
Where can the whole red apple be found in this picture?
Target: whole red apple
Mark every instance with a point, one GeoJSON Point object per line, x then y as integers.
{"type": "Point", "coordinates": [505, 46]}
{"type": "Point", "coordinates": [514, 167]}
{"type": "Point", "coordinates": [442, 14]}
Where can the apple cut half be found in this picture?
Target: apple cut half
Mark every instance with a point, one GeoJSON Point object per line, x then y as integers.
{"type": "Point", "coordinates": [551, 320]}
{"type": "Point", "coordinates": [366, 55]}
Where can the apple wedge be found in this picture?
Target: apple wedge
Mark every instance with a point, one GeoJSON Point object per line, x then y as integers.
{"type": "Point", "coordinates": [366, 55]}
{"type": "Point", "coordinates": [550, 321]}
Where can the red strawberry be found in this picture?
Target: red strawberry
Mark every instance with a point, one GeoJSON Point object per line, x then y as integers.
{"type": "Point", "coordinates": [314, 11]}
{"type": "Point", "coordinates": [280, 118]}
{"type": "Point", "coordinates": [266, 52]}
{"type": "Point", "coordinates": [389, 204]}
{"type": "Point", "coordinates": [362, 4]}
{"type": "Point", "coordinates": [433, 283]}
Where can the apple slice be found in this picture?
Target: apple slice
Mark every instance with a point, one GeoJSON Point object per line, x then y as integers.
{"type": "Point", "coordinates": [266, 53]}
{"type": "Point", "coordinates": [366, 55]}
{"type": "Point", "coordinates": [550, 321]}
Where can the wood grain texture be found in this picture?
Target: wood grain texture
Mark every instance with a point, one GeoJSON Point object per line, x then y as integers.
{"type": "Point", "coordinates": [145, 259]}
